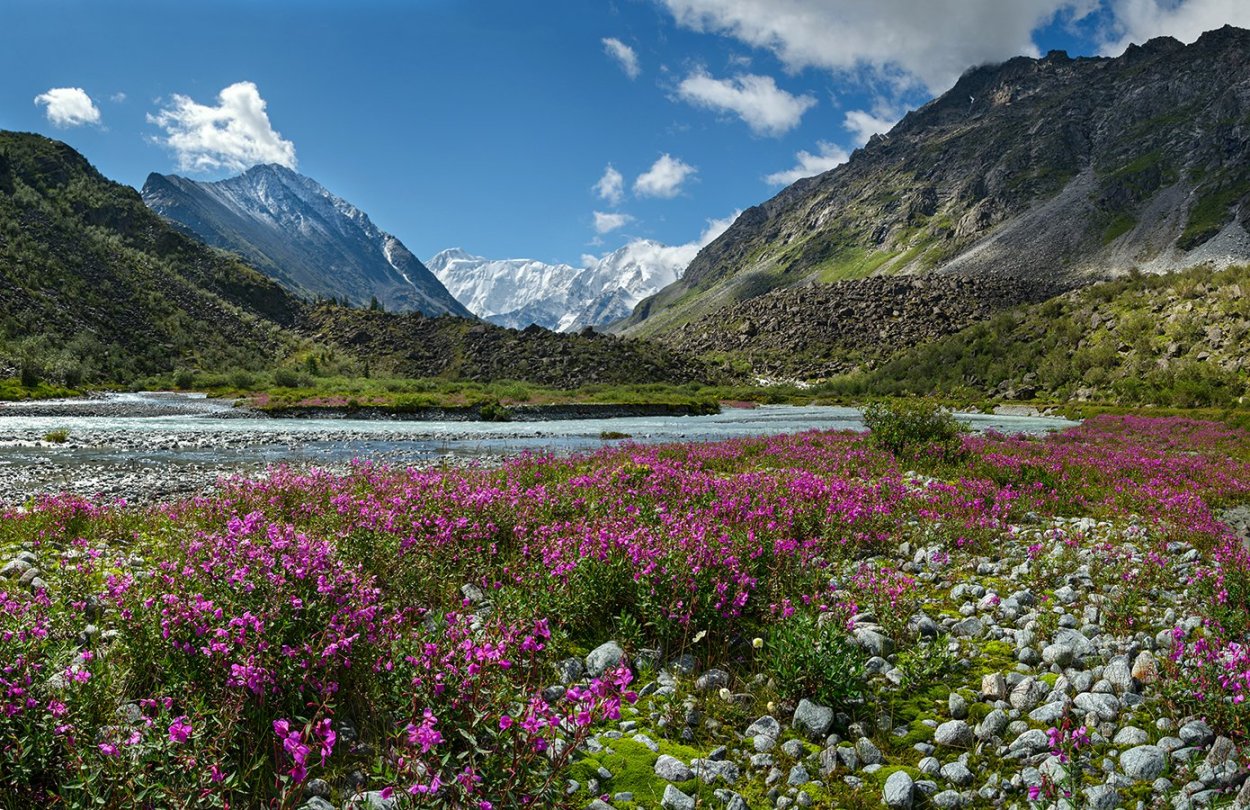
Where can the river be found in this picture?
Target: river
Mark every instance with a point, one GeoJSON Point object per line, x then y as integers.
{"type": "Point", "coordinates": [154, 445]}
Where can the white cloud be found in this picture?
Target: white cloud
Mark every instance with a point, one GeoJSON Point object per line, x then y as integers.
{"type": "Point", "coordinates": [664, 178]}
{"type": "Point", "coordinates": [68, 107]}
{"type": "Point", "coordinates": [606, 223]}
{"type": "Point", "coordinates": [118, 97]}
{"type": "Point", "coordinates": [931, 43]}
{"type": "Point", "coordinates": [757, 100]}
{"type": "Point", "coordinates": [1140, 20]}
{"type": "Point", "coordinates": [675, 257]}
{"type": "Point", "coordinates": [235, 135]}
{"type": "Point", "coordinates": [611, 186]}
{"type": "Point", "coordinates": [624, 56]}
{"type": "Point", "coordinates": [810, 165]}
{"type": "Point", "coordinates": [864, 124]}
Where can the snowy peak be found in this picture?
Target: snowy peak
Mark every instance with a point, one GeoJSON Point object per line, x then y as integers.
{"type": "Point", "coordinates": [295, 230]}
{"type": "Point", "coordinates": [518, 292]}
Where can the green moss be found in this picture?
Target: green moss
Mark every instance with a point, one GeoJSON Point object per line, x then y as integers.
{"type": "Point", "coordinates": [1211, 213]}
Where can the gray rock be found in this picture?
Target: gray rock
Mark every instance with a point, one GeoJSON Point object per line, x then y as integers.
{"type": "Point", "coordinates": [316, 803]}
{"type": "Point", "coordinates": [994, 687]}
{"type": "Point", "coordinates": [1130, 736]}
{"type": "Point", "coordinates": [1059, 654]}
{"type": "Point", "coordinates": [1143, 763]}
{"type": "Point", "coordinates": [930, 766]}
{"type": "Point", "coordinates": [946, 800]}
{"type": "Point", "coordinates": [813, 719]}
{"type": "Point", "coordinates": [1221, 751]}
{"type": "Point", "coordinates": [709, 770]}
{"type": "Point", "coordinates": [1196, 732]}
{"type": "Point", "coordinates": [1119, 673]}
{"type": "Point", "coordinates": [793, 748]}
{"type": "Point", "coordinates": [993, 725]}
{"type": "Point", "coordinates": [898, 791]}
{"type": "Point", "coordinates": [868, 752]}
{"type": "Point", "coordinates": [955, 734]}
{"type": "Point", "coordinates": [798, 776]}
{"type": "Point", "coordinates": [1080, 645]}
{"type": "Point", "coordinates": [712, 680]}
{"type": "Point", "coordinates": [971, 627]}
{"type": "Point", "coordinates": [603, 658]}
{"type": "Point", "coordinates": [1103, 706]}
{"type": "Point", "coordinates": [672, 769]}
{"type": "Point", "coordinates": [1031, 742]}
{"type": "Point", "coordinates": [674, 799]}
{"type": "Point", "coordinates": [1048, 713]}
{"type": "Point", "coordinates": [958, 706]}
{"type": "Point", "coordinates": [957, 774]}
{"type": "Point", "coordinates": [370, 800]}
{"type": "Point", "coordinates": [1145, 670]}
{"type": "Point", "coordinates": [1102, 797]}
{"type": "Point", "coordinates": [765, 725]}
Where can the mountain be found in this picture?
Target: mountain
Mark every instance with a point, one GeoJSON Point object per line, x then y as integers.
{"type": "Point", "coordinates": [97, 287]}
{"type": "Point", "coordinates": [1058, 170]}
{"type": "Point", "coordinates": [519, 292]}
{"type": "Point", "coordinates": [306, 238]}
{"type": "Point", "coordinates": [94, 286]}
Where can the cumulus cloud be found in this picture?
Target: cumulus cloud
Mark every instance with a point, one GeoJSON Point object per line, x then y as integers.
{"type": "Point", "coordinates": [118, 97]}
{"type": "Point", "coordinates": [608, 222]}
{"type": "Point", "coordinates": [929, 43]}
{"type": "Point", "coordinates": [624, 56]}
{"type": "Point", "coordinates": [611, 186]}
{"type": "Point", "coordinates": [757, 100]}
{"type": "Point", "coordinates": [863, 124]}
{"type": "Point", "coordinates": [68, 107]}
{"type": "Point", "coordinates": [665, 177]}
{"type": "Point", "coordinates": [673, 259]}
{"type": "Point", "coordinates": [1140, 20]}
{"type": "Point", "coordinates": [234, 135]}
{"type": "Point", "coordinates": [810, 165]}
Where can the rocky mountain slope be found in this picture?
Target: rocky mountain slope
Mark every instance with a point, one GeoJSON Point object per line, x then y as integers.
{"type": "Point", "coordinates": [306, 238]}
{"type": "Point", "coordinates": [96, 287]}
{"type": "Point", "coordinates": [520, 292]}
{"type": "Point", "coordinates": [1056, 169]}
{"type": "Point", "coordinates": [1176, 339]}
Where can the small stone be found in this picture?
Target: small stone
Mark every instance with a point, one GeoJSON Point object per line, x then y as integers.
{"type": "Point", "coordinates": [674, 799]}
{"type": "Point", "coordinates": [898, 791]}
{"type": "Point", "coordinates": [1145, 670]}
{"type": "Point", "coordinates": [1143, 763]}
{"type": "Point", "coordinates": [994, 687]}
{"type": "Point", "coordinates": [798, 776]}
{"type": "Point", "coordinates": [1130, 736]}
{"type": "Point", "coordinates": [813, 719]}
{"type": "Point", "coordinates": [1103, 706]}
{"type": "Point", "coordinates": [993, 725]}
{"type": "Point", "coordinates": [957, 774]}
{"type": "Point", "coordinates": [765, 725]}
{"type": "Point", "coordinates": [1102, 797]}
{"type": "Point", "coordinates": [316, 803]}
{"type": "Point", "coordinates": [1058, 654]}
{"type": "Point", "coordinates": [1120, 675]}
{"type": "Point", "coordinates": [712, 680]}
{"type": "Point", "coordinates": [954, 733]}
{"type": "Point", "coordinates": [672, 769]}
{"type": "Point", "coordinates": [946, 800]}
{"type": "Point", "coordinates": [1197, 733]}
{"type": "Point", "coordinates": [958, 706]}
{"type": "Point", "coordinates": [604, 657]}
{"type": "Point", "coordinates": [868, 752]}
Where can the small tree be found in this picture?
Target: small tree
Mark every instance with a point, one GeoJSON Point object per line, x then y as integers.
{"type": "Point", "coordinates": [914, 428]}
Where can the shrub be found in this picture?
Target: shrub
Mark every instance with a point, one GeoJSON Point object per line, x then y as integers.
{"type": "Point", "coordinates": [810, 657]}
{"type": "Point", "coordinates": [58, 436]}
{"type": "Point", "coordinates": [913, 428]}
{"type": "Point", "coordinates": [494, 412]}
{"type": "Point", "coordinates": [286, 378]}
{"type": "Point", "coordinates": [184, 378]}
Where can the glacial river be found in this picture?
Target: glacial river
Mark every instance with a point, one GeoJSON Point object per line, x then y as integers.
{"type": "Point", "coordinates": [159, 444]}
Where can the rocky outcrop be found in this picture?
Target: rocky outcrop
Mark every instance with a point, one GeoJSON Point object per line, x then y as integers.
{"type": "Point", "coordinates": [820, 330]}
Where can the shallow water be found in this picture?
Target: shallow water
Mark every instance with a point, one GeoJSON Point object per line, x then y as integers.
{"type": "Point", "coordinates": [200, 435]}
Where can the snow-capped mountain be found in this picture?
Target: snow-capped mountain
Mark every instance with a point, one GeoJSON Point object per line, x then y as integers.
{"type": "Point", "coordinates": [306, 238]}
{"type": "Point", "coordinates": [518, 292]}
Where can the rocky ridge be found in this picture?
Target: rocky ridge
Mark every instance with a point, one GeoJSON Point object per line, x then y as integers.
{"type": "Point", "coordinates": [1056, 168]}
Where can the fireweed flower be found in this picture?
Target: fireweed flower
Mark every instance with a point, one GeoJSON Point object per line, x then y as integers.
{"type": "Point", "coordinates": [179, 730]}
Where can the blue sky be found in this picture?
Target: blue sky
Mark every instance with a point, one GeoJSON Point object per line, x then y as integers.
{"type": "Point", "coordinates": [490, 124]}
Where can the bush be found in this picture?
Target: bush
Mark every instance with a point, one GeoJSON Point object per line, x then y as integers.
{"type": "Point", "coordinates": [58, 436]}
{"type": "Point", "coordinates": [184, 378]}
{"type": "Point", "coordinates": [286, 378]}
{"type": "Point", "coordinates": [494, 412]}
{"type": "Point", "coordinates": [913, 428]}
{"type": "Point", "coordinates": [810, 658]}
